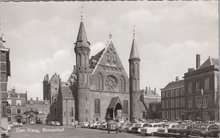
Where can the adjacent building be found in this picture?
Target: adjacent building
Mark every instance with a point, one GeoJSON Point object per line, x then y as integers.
{"type": "Point", "coordinates": [16, 106]}
{"type": "Point", "coordinates": [202, 90]}
{"type": "Point", "coordinates": [37, 111]}
{"type": "Point", "coordinates": [149, 96]}
{"type": "Point", "coordinates": [4, 73]}
{"type": "Point", "coordinates": [173, 100]}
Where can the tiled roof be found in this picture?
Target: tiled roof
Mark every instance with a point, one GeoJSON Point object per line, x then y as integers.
{"type": "Point", "coordinates": [175, 84]}
{"type": "Point", "coordinates": [210, 62]}
{"type": "Point", "coordinates": [95, 59]}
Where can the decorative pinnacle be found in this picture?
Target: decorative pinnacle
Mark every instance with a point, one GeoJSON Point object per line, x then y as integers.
{"type": "Point", "coordinates": [134, 31]}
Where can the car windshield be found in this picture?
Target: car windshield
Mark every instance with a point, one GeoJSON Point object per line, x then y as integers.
{"type": "Point", "coordinates": [182, 126]}
{"type": "Point", "coordinates": [137, 125]}
{"type": "Point", "coordinates": [203, 127]}
{"type": "Point", "coordinates": [149, 125]}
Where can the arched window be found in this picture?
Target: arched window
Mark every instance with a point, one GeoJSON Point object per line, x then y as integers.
{"type": "Point", "coordinates": [125, 106]}
{"type": "Point", "coordinates": [97, 106]}
{"type": "Point", "coordinates": [122, 87]}
{"type": "Point", "coordinates": [100, 82]}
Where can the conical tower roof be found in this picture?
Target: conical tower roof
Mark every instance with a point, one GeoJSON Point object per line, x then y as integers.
{"type": "Point", "coordinates": [82, 38]}
{"type": "Point", "coordinates": [134, 51]}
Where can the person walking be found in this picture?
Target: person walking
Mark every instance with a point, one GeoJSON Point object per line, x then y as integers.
{"type": "Point", "coordinates": [73, 124]}
{"type": "Point", "coordinates": [108, 126]}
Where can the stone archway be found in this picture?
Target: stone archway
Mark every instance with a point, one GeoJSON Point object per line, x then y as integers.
{"type": "Point", "coordinates": [114, 110]}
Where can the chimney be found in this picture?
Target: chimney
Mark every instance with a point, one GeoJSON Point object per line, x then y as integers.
{"type": "Point", "coordinates": [36, 98]}
{"type": "Point", "coordinates": [154, 90]}
{"type": "Point", "coordinates": [197, 61]}
{"type": "Point", "coordinates": [177, 78]}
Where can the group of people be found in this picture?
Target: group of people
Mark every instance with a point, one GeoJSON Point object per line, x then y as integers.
{"type": "Point", "coordinates": [74, 124]}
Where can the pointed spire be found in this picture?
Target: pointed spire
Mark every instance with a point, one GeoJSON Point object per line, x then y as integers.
{"type": "Point", "coordinates": [82, 38]}
{"type": "Point", "coordinates": [134, 51]}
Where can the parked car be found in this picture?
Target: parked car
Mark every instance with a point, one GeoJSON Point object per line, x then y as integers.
{"type": "Point", "coordinates": [137, 127]}
{"type": "Point", "coordinates": [200, 130]}
{"type": "Point", "coordinates": [57, 123]}
{"type": "Point", "coordinates": [212, 134]}
{"type": "Point", "coordinates": [151, 128]}
{"type": "Point", "coordinates": [164, 131]}
{"type": "Point", "coordinates": [129, 127]}
{"type": "Point", "coordinates": [15, 124]}
{"type": "Point", "coordinates": [182, 130]}
{"type": "Point", "coordinates": [4, 132]}
{"type": "Point", "coordinates": [85, 124]}
{"type": "Point", "coordinates": [32, 122]}
{"type": "Point", "coordinates": [95, 124]}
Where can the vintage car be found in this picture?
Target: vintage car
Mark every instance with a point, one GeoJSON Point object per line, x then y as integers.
{"type": "Point", "coordinates": [164, 131]}
{"type": "Point", "coordinates": [200, 130]}
{"type": "Point", "coordinates": [137, 127]}
{"type": "Point", "coordinates": [182, 130]}
{"type": "Point", "coordinates": [129, 127]}
{"type": "Point", "coordinates": [151, 128]}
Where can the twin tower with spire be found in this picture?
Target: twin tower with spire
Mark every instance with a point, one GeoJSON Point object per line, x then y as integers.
{"type": "Point", "coordinates": [83, 72]}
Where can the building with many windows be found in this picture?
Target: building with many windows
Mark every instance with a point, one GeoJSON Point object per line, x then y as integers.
{"type": "Point", "coordinates": [4, 73]}
{"type": "Point", "coordinates": [202, 90]}
{"type": "Point", "coordinates": [16, 105]}
{"type": "Point", "coordinates": [173, 100]}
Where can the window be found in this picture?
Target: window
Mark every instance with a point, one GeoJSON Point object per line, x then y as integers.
{"type": "Point", "coordinates": [168, 103]}
{"type": "Point", "coordinates": [18, 111]}
{"type": "Point", "coordinates": [163, 104]}
{"type": "Point", "coordinates": [198, 86]}
{"type": "Point", "coordinates": [9, 101]}
{"type": "Point", "coordinates": [207, 87]}
{"type": "Point", "coordinates": [172, 103]}
{"type": "Point", "coordinates": [71, 113]}
{"type": "Point", "coordinates": [100, 82]}
{"type": "Point", "coordinates": [18, 102]}
{"type": "Point", "coordinates": [190, 87]}
{"type": "Point", "coordinates": [172, 93]}
{"type": "Point", "coordinates": [177, 92]}
{"type": "Point", "coordinates": [123, 88]}
{"type": "Point", "coordinates": [125, 104]}
{"type": "Point", "coordinates": [168, 93]}
{"type": "Point", "coordinates": [182, 91]}
{"type": "Point", "coordinates": [177, 102]}
{"type": "Point", "coordinates": [9, 119]}
{"type": "Point", "coordinates": [97, 106]}
{"type": "Point", "coordinates": [3, 77]}
{"type": "Point", "coordinates": [9, 110]}
{"type": "Point", "coordinates": [182, 102]}
{"type": "Point", "coordinates": [154, 108]}
{"type": "Point", "coordinates": [198, 101]}
{"type": "Point", "coordinates": [190, 102]}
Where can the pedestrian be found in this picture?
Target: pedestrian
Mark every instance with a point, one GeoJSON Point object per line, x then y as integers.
{"type": "Point", "coordinates": [108, 126]}
{"type": "Point", "coordinates": [73, 124]}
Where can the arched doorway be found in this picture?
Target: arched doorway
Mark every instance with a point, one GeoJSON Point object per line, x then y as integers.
{"type": "Point", "coordinates": [114, 110]}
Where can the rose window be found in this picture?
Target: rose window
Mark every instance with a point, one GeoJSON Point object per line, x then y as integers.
{"type": "Point", "coordinates": [110, 83]}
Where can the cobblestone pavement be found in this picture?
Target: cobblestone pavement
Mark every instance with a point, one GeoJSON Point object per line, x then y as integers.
{"type": "Point", "coordinates": [43, 131]}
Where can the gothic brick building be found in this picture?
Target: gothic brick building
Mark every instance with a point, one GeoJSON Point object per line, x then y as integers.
{"type": "Point", "coordinates": [98, 88]}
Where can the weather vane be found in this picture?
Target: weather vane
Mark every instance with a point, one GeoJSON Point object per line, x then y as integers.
{"type": "Point", "coordinates": [81, 16]}
{"type": "Point", "coordinates": [134, 31]}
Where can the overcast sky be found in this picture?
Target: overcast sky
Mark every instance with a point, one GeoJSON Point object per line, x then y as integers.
{"type": "Point", "coordinates": [168, 35]}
